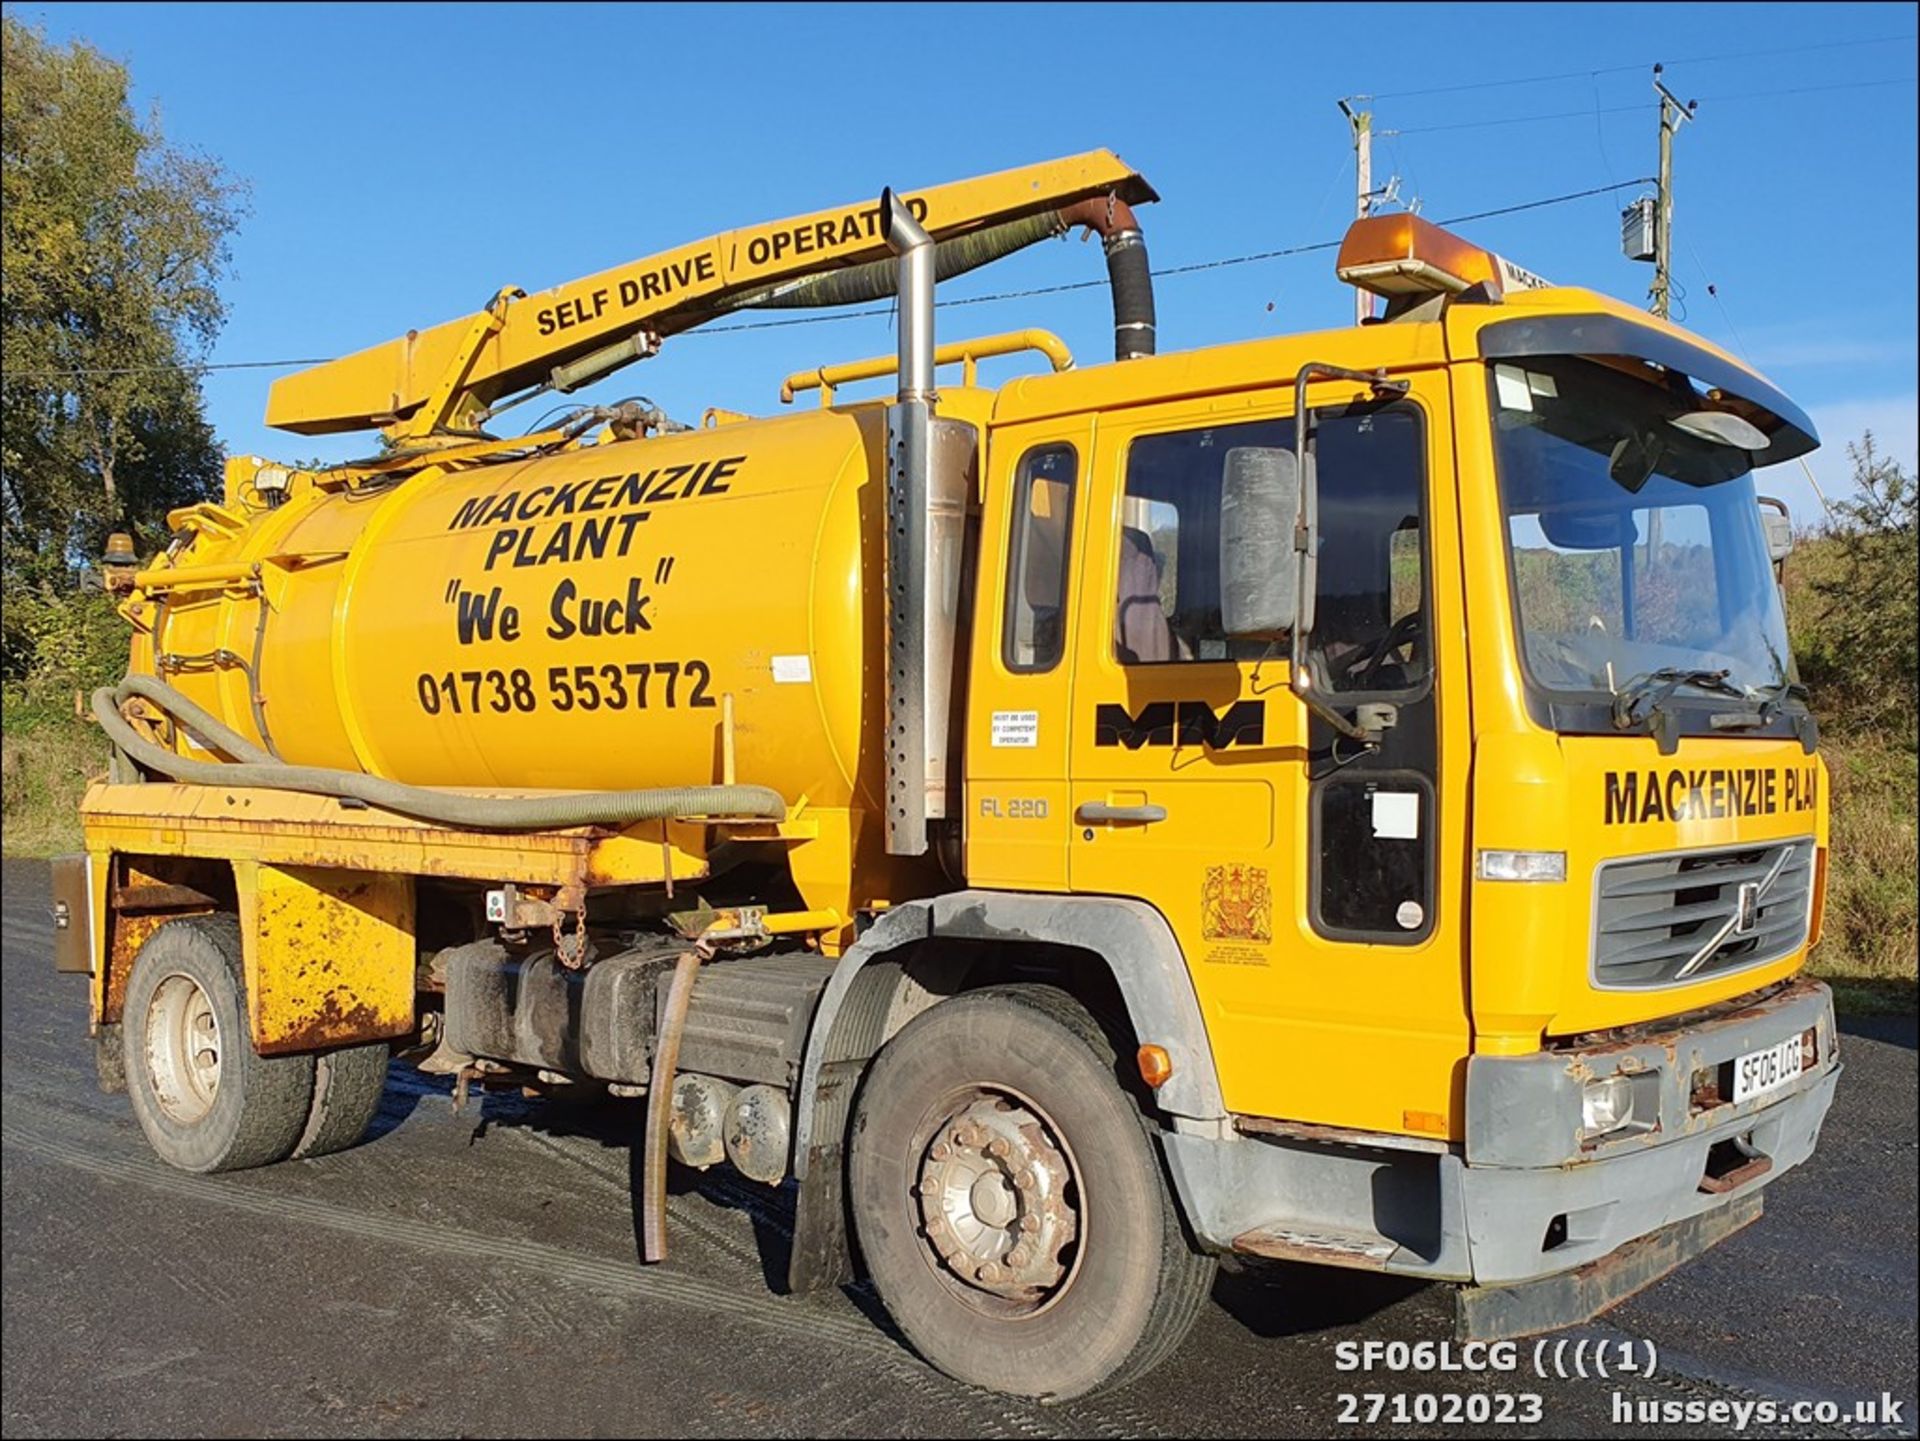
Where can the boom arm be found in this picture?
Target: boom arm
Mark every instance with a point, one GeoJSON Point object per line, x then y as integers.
{"type": "Point", "coordinates": [446, 376]}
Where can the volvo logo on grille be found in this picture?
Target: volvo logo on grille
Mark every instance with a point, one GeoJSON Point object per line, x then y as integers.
{"type": "Point", "coordinates": [1745, 918]}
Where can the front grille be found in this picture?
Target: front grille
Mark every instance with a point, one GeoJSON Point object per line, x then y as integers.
{"type": "Point", "coordinates": [1693, 915]}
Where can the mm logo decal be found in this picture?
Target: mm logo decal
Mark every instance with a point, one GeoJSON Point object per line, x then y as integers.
{"type": "Point", "coordinates": [1186, 723]}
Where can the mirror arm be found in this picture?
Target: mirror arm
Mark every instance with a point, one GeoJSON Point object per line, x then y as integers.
{"type": "Point", "coordinates": [1306, 535]}
{"type": "Point", "coordinates": [1333, 717]}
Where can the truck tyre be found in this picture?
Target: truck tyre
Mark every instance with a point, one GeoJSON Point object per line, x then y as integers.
{"type": "Point", "coordinates": [1010, 1204]}
{"type": "Point", "coordinates": [347, 1087]}
{"type": "Point", "coordinates": [205, 1098]}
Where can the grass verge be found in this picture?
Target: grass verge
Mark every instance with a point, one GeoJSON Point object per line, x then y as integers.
{"type": "Point", "coordinates": [47, 756]}
{"type": "Point", "coordinates": [1872, 934]}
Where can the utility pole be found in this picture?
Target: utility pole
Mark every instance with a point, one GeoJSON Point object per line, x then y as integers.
{"type": "Point", "coordinates": [1361, 123]}
{"type": "Point", "coordinates": [1673, 114]}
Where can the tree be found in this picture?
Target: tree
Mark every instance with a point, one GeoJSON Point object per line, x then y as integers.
{"type": "Point", "coordinates": [1860, 646]}
{"type": "Point", "coordinates": [114, 243]}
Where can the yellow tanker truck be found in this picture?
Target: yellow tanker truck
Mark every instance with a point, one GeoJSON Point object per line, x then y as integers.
{"type": "Point", "coordinates": [1341, 797]}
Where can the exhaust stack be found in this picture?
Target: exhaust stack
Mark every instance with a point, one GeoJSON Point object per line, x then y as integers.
{"type": "Point", "coordinates": [930, 465]}
{"type": "Point", "coordinates": [909, 240]}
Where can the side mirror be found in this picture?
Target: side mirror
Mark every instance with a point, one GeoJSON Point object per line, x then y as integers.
{"type": "Point", "coordinates": [1777, 521]}
{"type": "Point", "coordinates": [1259, 571]}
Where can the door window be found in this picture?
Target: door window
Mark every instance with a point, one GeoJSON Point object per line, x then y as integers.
{"type": "Point", "coordinates": [1166, 605]}
{"type": "Point", "coordinates": [1037, 559]}
{"type": "Point", "coordinates": [1369, 626]}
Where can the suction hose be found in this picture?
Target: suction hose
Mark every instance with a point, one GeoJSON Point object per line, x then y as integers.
{"type": "Point", "coordinates": [252, 766]}
{"type": "Point", "coordinates": [1129, 275]}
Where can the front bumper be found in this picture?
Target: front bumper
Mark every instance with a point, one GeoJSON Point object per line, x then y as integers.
{"type": "Point", "coordinates": [1524, 1199]}
{"type": "Point", "coordinates": [1536, 1201]}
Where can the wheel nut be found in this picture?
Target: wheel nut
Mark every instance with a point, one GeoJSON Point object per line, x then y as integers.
{"type": "Point", "coordinates": [929, 1187]}
{"type": "Point", "coordinates": [989, 1272]}
{"type": "Point", "coordinates": [959, 1136]}
{"type": "Point", "coordinates": [1019, 1255]}
{"type": "Point", "coordinates": [998, 1148]}
{"type": "Point", "coordinates": [1029, 1223]}
{"type": "Point", "coordinates": [1025, 1181]}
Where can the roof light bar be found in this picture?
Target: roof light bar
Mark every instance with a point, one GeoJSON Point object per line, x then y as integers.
{"type": "Point", "coordinates": [1401, 255]}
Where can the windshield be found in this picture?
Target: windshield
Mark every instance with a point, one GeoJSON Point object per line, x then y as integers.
{"type": "Point", "coordinates": [1637, 547]}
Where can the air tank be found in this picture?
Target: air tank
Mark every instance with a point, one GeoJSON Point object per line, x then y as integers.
{"type": "Point", "coordinates": [567, 622]}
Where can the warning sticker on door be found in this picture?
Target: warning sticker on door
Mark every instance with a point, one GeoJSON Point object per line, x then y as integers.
{"type": "Point", "coordinates": [1016, 729]}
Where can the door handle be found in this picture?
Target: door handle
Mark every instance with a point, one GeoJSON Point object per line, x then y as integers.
{"type": "Point", "coordinates": [1091, 812]}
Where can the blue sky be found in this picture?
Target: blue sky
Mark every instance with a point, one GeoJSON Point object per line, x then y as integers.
{"type": "Point", "coordinates": [407, 161]}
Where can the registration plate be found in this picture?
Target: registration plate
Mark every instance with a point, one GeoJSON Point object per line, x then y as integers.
{"type": "Point", "coordinates": [1758, 1072]}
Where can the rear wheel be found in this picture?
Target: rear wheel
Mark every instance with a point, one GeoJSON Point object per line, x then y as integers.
{"type": "Point", "coordinates": [347, 1087]}
{"type": "Point", "coordinates": [205, 1098]}
{"type": "Point", "coordinates": [1009, 1202]}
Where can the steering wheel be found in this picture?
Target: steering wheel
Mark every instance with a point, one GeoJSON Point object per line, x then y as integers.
{"type": "Point", "coordinates": [1375, 656]}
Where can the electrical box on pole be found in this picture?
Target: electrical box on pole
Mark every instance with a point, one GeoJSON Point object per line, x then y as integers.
{"type": "Point", "coordinates": [1638, 227]}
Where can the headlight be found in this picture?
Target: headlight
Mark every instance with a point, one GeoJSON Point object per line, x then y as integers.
{"type": "Point", "coordinates": [1606, 1105]}
{"type": "Point", "coordinates": [1523, 865]}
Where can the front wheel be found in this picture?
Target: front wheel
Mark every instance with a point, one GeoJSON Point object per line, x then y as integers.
{"type": "Point", "coordinates": [1009, 1202]}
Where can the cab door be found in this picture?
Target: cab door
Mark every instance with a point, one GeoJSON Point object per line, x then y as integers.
{"type": "Point", "coordinates": [1019, 703]}
{"type": "Point", "coordinates": [1302, 874]}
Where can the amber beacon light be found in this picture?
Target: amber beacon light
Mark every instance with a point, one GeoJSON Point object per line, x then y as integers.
{"type": "Point", "coordinates": [1400, 255]}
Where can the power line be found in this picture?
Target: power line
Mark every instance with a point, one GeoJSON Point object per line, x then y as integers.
{"type": "Point", "coordinates": [193, 365]}
{"type": "Point", "coordinates": [1528, 119]}
{"type": "Point", "coordinates": [1538, 204]}
{"type": "Point", "coordinates": [1740, 349]}
{"type": "Point", "coordinates": [1600, 136]}
{"type": "Point", "coordinates": [1811, 89]}
{"type": "Point", "coordinates": [1164, 271]}
{"type": "Point", "coordinates": [1622, 69]}
{"type": "Point", "coordinates": [1596, 111]}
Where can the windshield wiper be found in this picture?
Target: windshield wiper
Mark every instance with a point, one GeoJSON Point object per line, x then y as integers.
{"type": "Point", "coordinates": [1767, 701]}
{"type": "Point", "coordinates": [1773, 697]}
{"type": "Point", "coordinates": [1657, 685]}
{"type": "Point", "coordinates": [1654, 689]}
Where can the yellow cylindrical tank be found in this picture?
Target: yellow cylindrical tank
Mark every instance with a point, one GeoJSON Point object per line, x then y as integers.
{"type": "Point", "coordinates": [568, 622]}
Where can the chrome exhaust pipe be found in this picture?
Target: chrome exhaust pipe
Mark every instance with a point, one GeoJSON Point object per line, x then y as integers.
{"type": "Point", "coordinates": [930, 468]}
{"type": "Point", "coordinates": [909, 240]}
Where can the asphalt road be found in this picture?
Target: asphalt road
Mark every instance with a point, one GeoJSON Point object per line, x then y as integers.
{"type": "Point", "coordinates": [475, 1274]}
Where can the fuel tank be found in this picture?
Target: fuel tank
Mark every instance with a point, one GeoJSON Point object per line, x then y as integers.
{"type": "Point", "coordinates": [567, 622]}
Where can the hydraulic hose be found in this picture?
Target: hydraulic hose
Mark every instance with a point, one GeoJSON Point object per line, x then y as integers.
{"type": "Point", "coordinates": [252, 766]}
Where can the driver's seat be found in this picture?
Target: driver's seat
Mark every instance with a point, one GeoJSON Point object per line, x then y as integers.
{"type": "Point", "coordinates": [1141, 635]}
